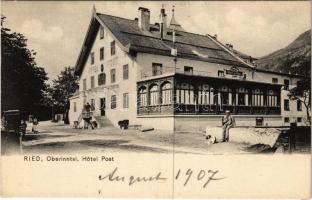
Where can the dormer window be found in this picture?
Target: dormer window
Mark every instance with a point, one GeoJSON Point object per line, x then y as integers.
{"type": "Point", "coordinates": [220, 73]}
{"type": "Point", "coordinates": [101, 32]}
{"type": "Point", "coordinates": [188, 70]}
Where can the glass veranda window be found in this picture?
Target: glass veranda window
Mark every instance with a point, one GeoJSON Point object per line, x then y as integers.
{"type": "Point", "coordinates": [142, 97]}
{"type": "Point", "coordinates": [166, 93]}
{"type": "Point", "coordinates": [154, 95]}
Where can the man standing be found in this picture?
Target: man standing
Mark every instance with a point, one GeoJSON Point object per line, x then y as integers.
{"type": "Point", "coordinates": [227, 123]}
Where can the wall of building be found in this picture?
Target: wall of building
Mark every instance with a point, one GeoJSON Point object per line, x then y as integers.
{"type": "Point", "coordinates": [118, 88]}
{"type": "Point", "coordinates": [199, 123]}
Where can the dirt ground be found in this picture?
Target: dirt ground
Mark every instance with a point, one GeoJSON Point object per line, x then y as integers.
{"type": "Point", "coordinates": [59, 138]}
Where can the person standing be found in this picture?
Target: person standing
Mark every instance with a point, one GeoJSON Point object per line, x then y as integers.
{"type": "Point", "coordinates": [35, 126]}
{"type": "Point", "coordinates": [227, 123]}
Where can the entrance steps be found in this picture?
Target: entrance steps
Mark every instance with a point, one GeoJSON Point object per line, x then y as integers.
{"type": "Point", "coordinates": [103, 121]}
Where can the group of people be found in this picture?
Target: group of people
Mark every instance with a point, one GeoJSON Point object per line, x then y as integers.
{"type": "Point", "coordinates": [34, 129]}
{"type": "Point", "coordinates": [87, 117]}
{"type": "Point", "coordinates": [228, 122]}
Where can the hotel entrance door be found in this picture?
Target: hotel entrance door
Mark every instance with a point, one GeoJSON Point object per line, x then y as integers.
{"type": "Point", "coordinates": [102, 106]}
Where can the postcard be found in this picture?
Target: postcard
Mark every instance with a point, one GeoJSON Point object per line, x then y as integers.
{"type": "Point", "coordinates": [164, 99]}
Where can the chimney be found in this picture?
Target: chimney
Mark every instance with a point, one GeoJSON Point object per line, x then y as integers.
{"type": "Point", "coordinates": [144, 19]}
{"type": "Point", "coordinates": [229, 46]}
{"type": "Point", "coordinates": [163, 23]}
{"type": "Point", "coordinates": [215, 36]}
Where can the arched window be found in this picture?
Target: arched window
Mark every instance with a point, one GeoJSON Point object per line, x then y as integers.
{"type": "Point", "coordinates": [166, 93]}
{"type": "Point", "coordinates": [205, 94]}
{"type": "Point", "coordinates": [154, 91]}
{"type": "Point", "coordinates": [242, 96]}
{"type": "Point", "coordinates": [272, 98]}
{"type": "Point", "coordinates": [257, 98]}
{"type": "Point", "coordinates": [142, 96]}
{"type": "Point", "coordinates": [225, 95]}
{"type": "Point", "coordinates": [185, 93]}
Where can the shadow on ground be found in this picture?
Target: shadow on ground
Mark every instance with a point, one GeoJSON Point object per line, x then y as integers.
{"type": "Point", "coordinates": [70, 146]}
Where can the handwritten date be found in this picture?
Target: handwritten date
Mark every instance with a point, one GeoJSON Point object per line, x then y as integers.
{"type": "Point", "coordinates": [206, 176]}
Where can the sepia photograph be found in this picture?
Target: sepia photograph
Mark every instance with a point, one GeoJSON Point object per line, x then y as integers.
{"type": "Point", "coordinates": [162, 82]}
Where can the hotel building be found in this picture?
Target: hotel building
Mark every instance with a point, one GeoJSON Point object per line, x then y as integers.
{"type": "Point", "coordinates": [162, 76]}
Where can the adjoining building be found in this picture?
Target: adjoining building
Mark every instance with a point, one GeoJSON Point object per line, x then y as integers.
{"type": "Point", "coordinates": [159, 75]}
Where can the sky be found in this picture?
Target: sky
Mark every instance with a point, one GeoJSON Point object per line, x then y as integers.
{"type": "Point", "coordinates": [56, 29]}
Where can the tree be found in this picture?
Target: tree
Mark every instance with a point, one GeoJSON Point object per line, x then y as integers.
{"type": "Point", "coordinates": [22, 81]}
{"type": "Point", "coordinates": [302, 93]}
{"type": "Point", "coordinates": [62, 88]}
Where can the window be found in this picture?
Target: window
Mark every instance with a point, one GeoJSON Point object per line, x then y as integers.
{"type": "Point", "coordinates": [185, 93]}
{"type": "Point", "coordinates": [113, 101]}
{"type": "Point", "coordinates": [157, 69]}
{"type": "Point", "coordinates": [286, 104]}
{"type": "Point", "coordinates": [84, 84]}
{"type": "Point", "coordinates": [101, 32]}
{"type": "Point", "coordinates": [271, 100]}
{"type": "Point", "coordinates": [257, 97]}
{"type": "Point", "coordinates": [299, 105]}
{"type": "Point", "coordinates": [220, 73]}
{"type": "Point", "coordinates": [259, 121]}
{"type": "Point", "coordinates": [286, 120]}
{"type": "Point", "coordinates": [166, 93]}
{"type": "Point", "coordinates": [274, 80]}
{"type": "Point", "coordinates": [92, 104]}
{"type": "Point", "coordinates": [75, 107]}
{"type": "Point", "coordinates": [113, 75]}
{"type": "Point", "coordinates": [225, 93]}
{"type": "Point", "coordinates": [142, 96]}
{"type": "Point", "coordinates": [125, 100]}
{"type": "Point", "coordinates": [205, 94]}
{"type": "Point", "coordinates": [92, 58]}
{"type": "Point", "coordinates": [154, 95]}
{"type": "Point", "coordinates": [102, 68]}
{"type": "Point", "coordinates": [125, 72]}
{"type": "Point", "coordinates": [286, 84]}
{"type": "Point", "coordinates": [242, 97]}
{"type": "Point", "coordinates": [299, 119]}
{"type": "Point", "coordinates": [113, 48]}
{"type": "Point", "coordinates": [188, 70]}
{"type": "Point", "coordinates": [101, 79]}
{"type": "Point", "coordinates": [92, 81]}
{"type": "Point", "coordinates": [102, 53]}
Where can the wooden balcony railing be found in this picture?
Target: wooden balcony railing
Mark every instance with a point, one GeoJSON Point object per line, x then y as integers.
{"type": "Point", "coordinates": [191, 109]}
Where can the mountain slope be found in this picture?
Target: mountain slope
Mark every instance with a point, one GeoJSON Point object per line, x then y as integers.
{"type": "Point", "coordinates": [295, 58]}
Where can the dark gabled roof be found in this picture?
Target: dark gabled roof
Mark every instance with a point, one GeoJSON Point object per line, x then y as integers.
{"type": "Point", "coordinates": [188, 44]}
{"type": "Point", "coordinates": [132, 38]}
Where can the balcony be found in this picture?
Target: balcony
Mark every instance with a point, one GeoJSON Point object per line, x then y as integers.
{"type": "Point", "coordinates": [191, 109]}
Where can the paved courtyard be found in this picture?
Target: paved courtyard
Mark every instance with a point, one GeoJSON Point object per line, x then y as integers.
{"type": "Point", "coordinates": [59, 138]}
